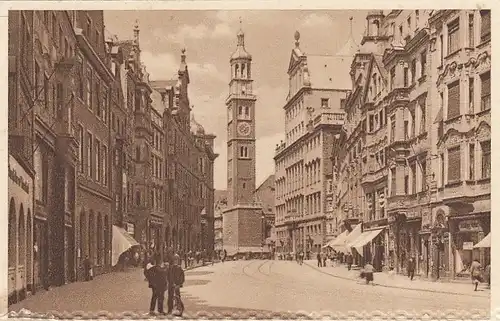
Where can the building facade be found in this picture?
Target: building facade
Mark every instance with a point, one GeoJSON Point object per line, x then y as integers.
{"type": "Point", "coordinates": [242, 219]}
{"type": "Point", "coordinates": [220, 204]}
{"type": "Point", "coordinates": [392, 161]}
{"type": "Point", "coordinates": [22, 93]}
{"type": "Point", "coordinates": [304, 172]}
{"type": "Point", "coordinates": [188, 161]}
{"type": "Point", "coordinates": [265, 195]}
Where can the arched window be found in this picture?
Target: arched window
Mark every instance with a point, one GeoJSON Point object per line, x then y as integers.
{"type": "Point", "coordinates": [236, 70]}
{"type": "Point", "coordinates": [138, 198]}
{"type": "Point", "coordinates": [83, 236]}
{"type": "Point", "coordinates": [240, 110]}
{"type": "Point", "coordinates": [375, 28]}
{"type": "Point", "coordinates": [243, 71]}
{"type": "Point", "coordinates": [12, 246]}
{"type": "Point", "coordinates": [138, 153]}
{"type": "Point", "coordinates": [22, 237]}
{"type": "Point", "coordinates": [247, 111]}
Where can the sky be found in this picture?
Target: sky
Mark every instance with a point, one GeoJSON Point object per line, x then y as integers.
{"type": "Point", "coordinates": [209, 38]}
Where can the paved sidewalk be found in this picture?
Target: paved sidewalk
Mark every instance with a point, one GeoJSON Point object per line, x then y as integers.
{"type": "Point", "coordinates": [400, 281]}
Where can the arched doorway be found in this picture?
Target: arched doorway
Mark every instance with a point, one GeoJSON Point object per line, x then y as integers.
{"type": "Point", "coordinates": [12, 252]}
{"type": "Point", "coordinates": [12, 234]}
{"type": "Point", "coordinates": [106, 241]}
{"type": "Point", "coordinates": [99, 239]}
{"type": "Point", "coordinates": [29, 256]}
{"type": "Point", "coordinates": [22, 253]}
{"type": "Point", "coordinates": [91, 236]}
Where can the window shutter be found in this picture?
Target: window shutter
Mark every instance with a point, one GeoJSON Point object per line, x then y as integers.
{"type": "Point", "coordinates": [485, 85]}
{"type": "Point", "coordinates": [453, 100]}
{"type": "Point", "coordinates": [485, 24]}
{"type": "Point", "coordinates": [454, 166]}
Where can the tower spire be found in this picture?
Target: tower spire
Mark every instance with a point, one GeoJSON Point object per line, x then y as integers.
{"type": "Point", "coordinates": [241, 36]}
{"type": "Point", "coordinates": [350, 27]}
{"type": "Point", "coordinates": [136, 31]}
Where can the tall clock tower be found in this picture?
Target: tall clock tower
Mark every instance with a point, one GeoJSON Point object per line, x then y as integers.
{"type": "Point", "coordinates": [242, 220]}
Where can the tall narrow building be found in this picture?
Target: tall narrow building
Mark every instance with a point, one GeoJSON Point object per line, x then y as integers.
{"type": "Point", "coordinates": [242, 219]}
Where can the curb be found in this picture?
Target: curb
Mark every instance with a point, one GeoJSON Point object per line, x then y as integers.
{"type": "Point", "coordinates": [397, 287]}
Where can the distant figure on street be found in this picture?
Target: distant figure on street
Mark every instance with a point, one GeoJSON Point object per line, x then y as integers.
{"type": "Point", "coordinates": [87, 268]}
{"type": "Point", "coordinates": [323, 258]}
{"type": "Point", "coordinates": [368, 273]}
{"type": "Point", "coordinates": [411, 268]}
{"type": "Point", "coordinates": [487, 272]}
{"type": "Point", "coordinates": [301, 257]}
{"type": "Point", "coordinates": [475, 272]}
{"type": "Point", "coordinates": [349, 261]}
{"type": "Point", "coordinates": [175, 282]}
{"type": "Point", "coordinates": [318, 257]}
{"type": "Point", "coordinates": [157, 279]}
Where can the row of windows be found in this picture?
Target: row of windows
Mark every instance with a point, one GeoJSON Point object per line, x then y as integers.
{"type": "Point", "coordinates": [93, 157]}
{"type": "Point", "coordinates": [156, 166]}
{"type": "Point", "coordinates": [454, 96]}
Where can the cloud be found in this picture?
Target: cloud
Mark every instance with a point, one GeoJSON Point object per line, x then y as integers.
{"type": "Point", "coordinates": [315, 20]}
{"type": "Point", "coordinates": [200, 31]}
{"type": "Point", "coordinates": [165, 66]}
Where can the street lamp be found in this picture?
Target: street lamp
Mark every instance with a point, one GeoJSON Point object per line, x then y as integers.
{"type": "Point", "coordinates": [263, 226]}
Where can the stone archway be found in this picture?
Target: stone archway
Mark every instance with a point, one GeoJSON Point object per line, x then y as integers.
{"type": "Point", "coordinates": [12, 246]}
{"type": "Point", "coordinates": [22, 252]}
{"type": "Point", "coordinates": [29, 254]}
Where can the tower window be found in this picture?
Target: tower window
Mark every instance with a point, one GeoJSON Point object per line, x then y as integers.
{"type": "Point", "coordinates": [244, 185]}
{"type": "Point", "coordinates": [236, 70]}
{"type": "Point", "coordinates": [240, 110]}
{"type": "Point", "coordinates": [244, 152]}
{"type": "Point", "coordinates": [243, 71]}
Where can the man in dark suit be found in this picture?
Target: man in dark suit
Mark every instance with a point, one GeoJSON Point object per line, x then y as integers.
{"type": "Point", "coordinates": [157, 277]}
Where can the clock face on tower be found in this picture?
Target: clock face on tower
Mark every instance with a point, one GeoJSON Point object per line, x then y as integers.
{"type": "Point", "coordinates": [244, 129]}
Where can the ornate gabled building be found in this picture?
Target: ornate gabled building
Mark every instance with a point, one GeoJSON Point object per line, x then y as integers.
{"type": "Point", "coordinates": [391, 159]}
{"type": "Point", "coordinates": [303, 175]}
{"type": "Point", "coordinates": [188, 159]}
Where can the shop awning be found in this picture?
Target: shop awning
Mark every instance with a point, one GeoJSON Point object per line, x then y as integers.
{"type": "Point", "coordinates": [364, 239]}
{"type": "Point", "coordinates": [121, 242]}
{"type": "Point", "coordinates": [486, 242]}
{"type": "Point", "coordinates": [338, 241]}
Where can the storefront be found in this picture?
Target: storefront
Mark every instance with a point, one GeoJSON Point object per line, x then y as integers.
{"type": "Point", "coordinates": [467, 232]}
{"type": "Point", "coordinates": [20, 231]}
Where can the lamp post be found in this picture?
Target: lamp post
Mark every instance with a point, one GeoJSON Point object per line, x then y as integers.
{"type": "Point", "coordinates": [263, 236]}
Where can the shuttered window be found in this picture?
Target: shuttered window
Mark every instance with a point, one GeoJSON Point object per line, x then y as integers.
{"type": "Point", "coordinates": [485, 91]}
{"type": "Point", "coordinates": [454, 166]}
{"type": "Point", "coordinates": [485, 25]}
{"type": "Point", "coordinates": [453, 100]}
{"type": "Point", "coordinates": [454, 36]}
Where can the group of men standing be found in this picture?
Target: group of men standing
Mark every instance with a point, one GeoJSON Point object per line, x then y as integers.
{"type": "Point", "coordinates": [164, 276]}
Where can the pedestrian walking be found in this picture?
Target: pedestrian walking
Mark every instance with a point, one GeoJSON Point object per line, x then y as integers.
{"type": "Point", "coordinates": [175, 282]}
{"type": "Point", "coordinates": [368, 273]}
{"type": "Point", "coordinates": [157, 279]}
{"type": "Point", "coordinates": [349, 261]}
{"type": "Point", "coordinates": [487, 272]}
{"type": "Point", "coordinates": [301, 257]}
{"type": "Point", "coordinates": [87, 268]}
{"type": "Point", "coordinates": [411, 268]}
{"type": "Point", "coordinates": [323, 257]}
{"type": "Point", "coordinates": [475, 272]}
{"type": "Point", "coordinates": [318, 257]}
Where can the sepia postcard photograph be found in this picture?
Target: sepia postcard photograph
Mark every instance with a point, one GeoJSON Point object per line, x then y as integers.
{"type": "Point", "coordinates": [231, 161]}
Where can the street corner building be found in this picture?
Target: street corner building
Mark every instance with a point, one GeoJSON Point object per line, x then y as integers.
{"type": "Point", "coordinates": [412, 162]}
{"type": "Point", "coordinates": [314, 116]}
{"type": "Point", "coordinates": [242, 222]}
{"type": "Point", "coordinates": [101, 159]}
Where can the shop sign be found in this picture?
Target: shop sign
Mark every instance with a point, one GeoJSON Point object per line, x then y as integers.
{"type": "Point", "coordinates": [18, 180]}
{"type": "Point", "coordinates": [470, 226]}
{"type": "Point", "coordinates": [468, 245]}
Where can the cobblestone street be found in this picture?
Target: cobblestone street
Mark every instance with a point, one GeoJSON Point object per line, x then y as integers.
{"type": "Point", "coordinates": [257, 288]}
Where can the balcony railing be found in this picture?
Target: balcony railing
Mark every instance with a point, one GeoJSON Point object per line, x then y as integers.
{"type": "Point", "coordinates": [329, 119]}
